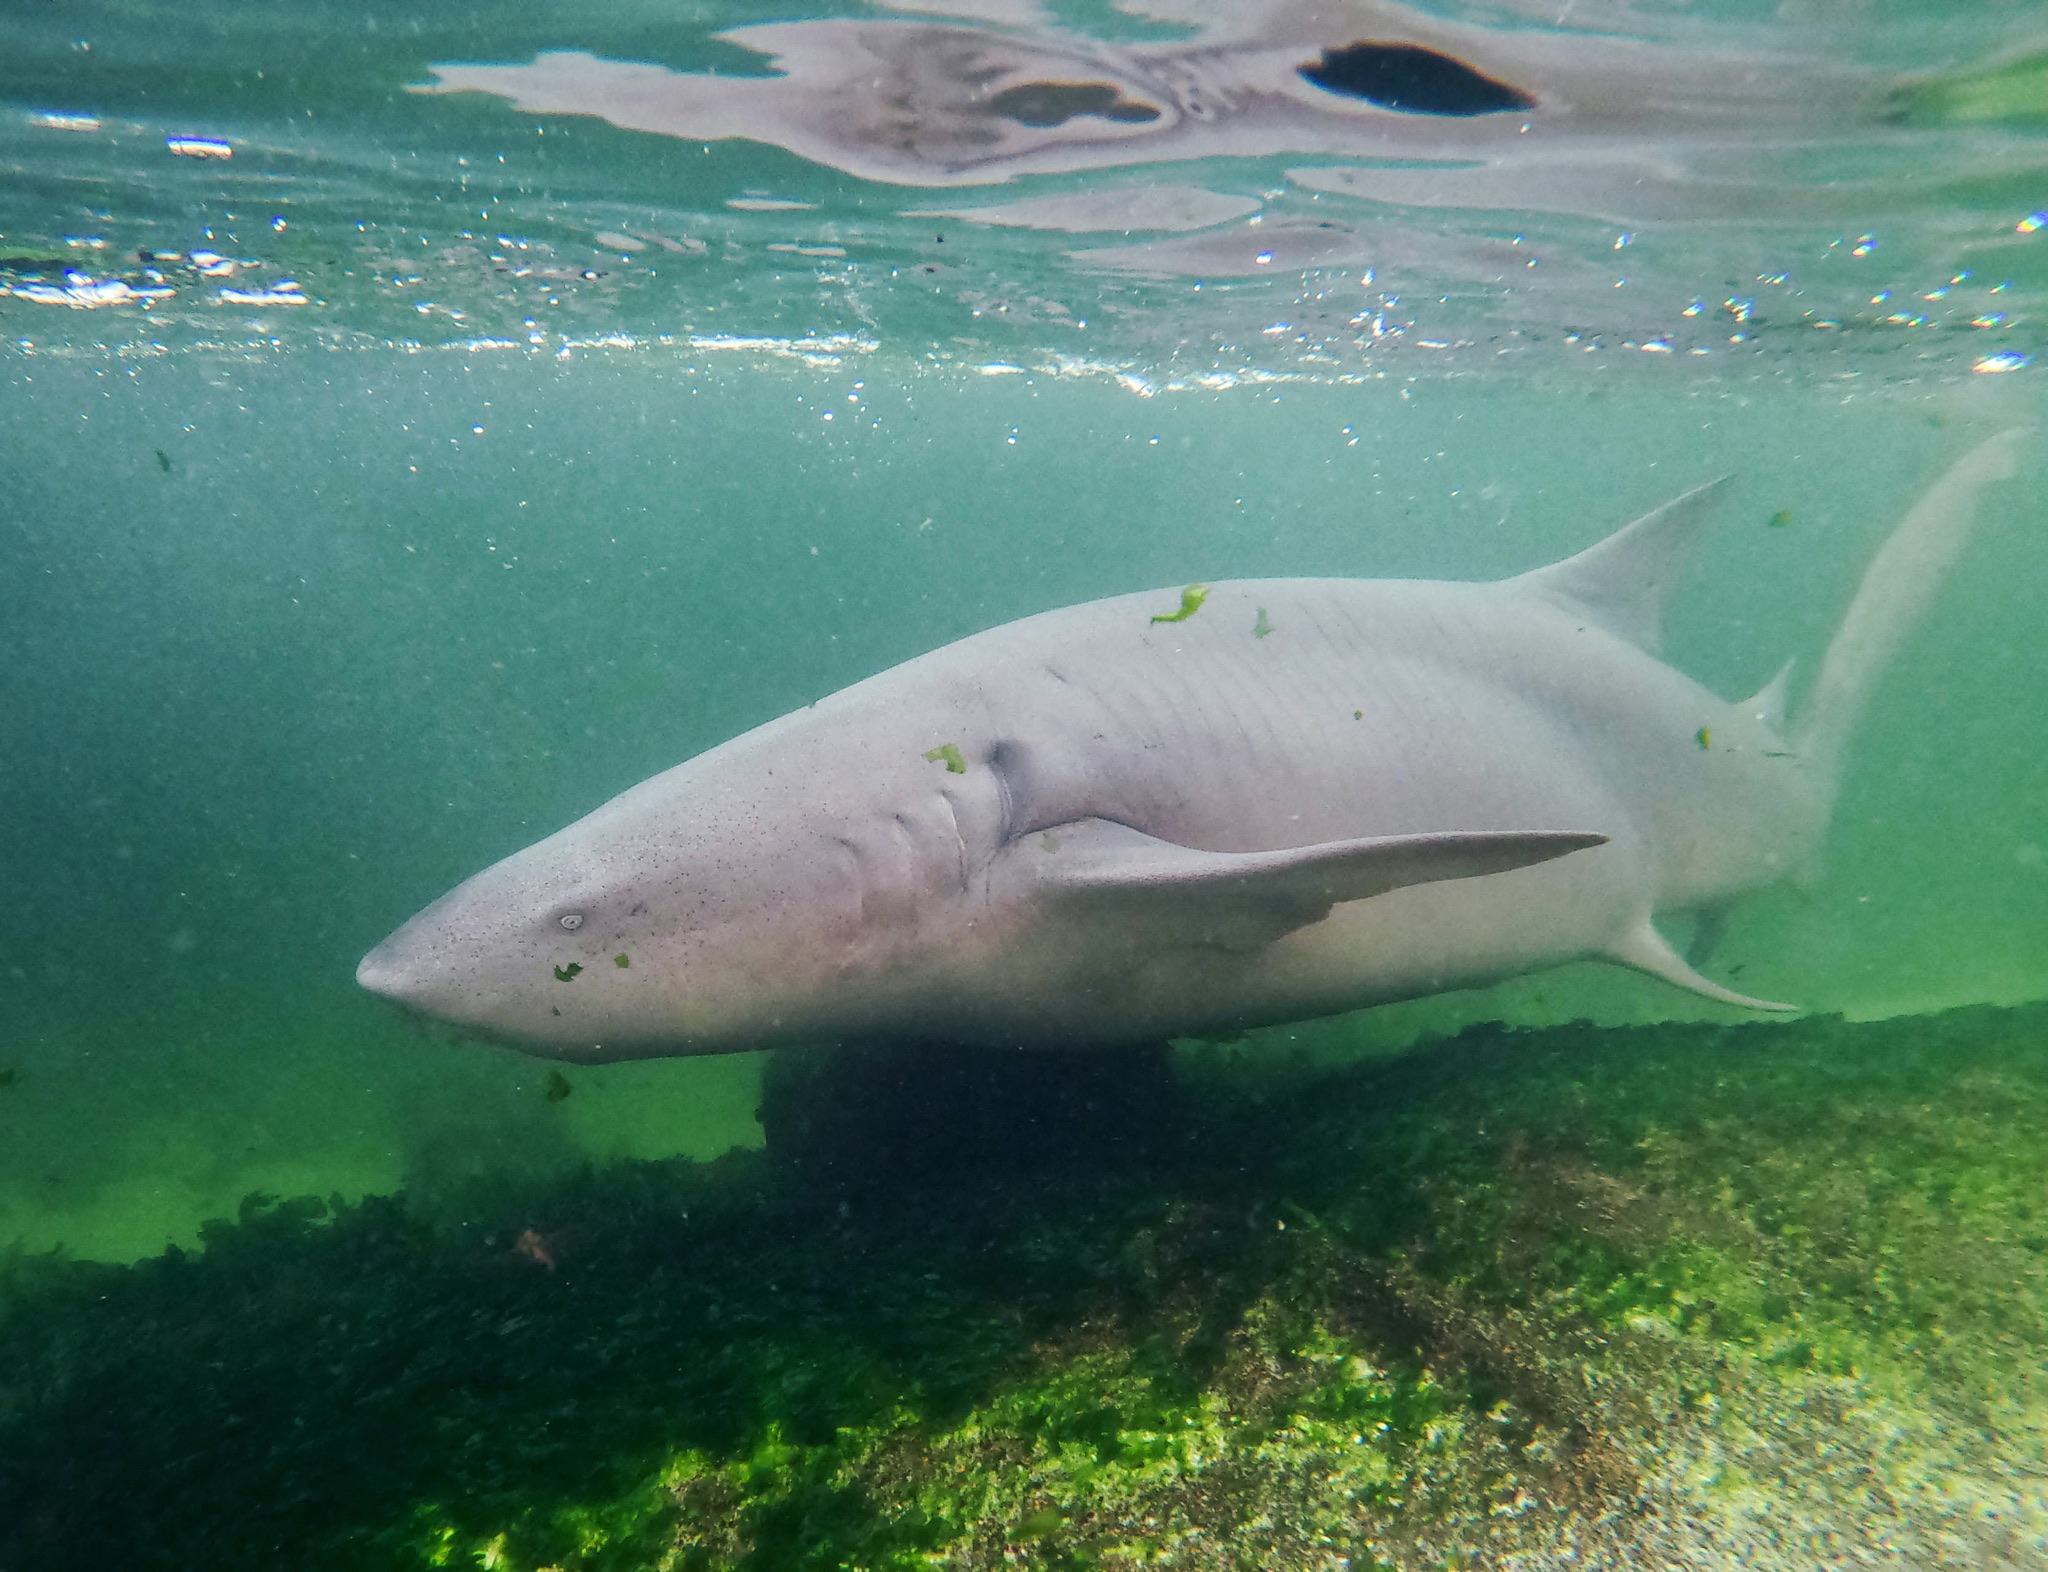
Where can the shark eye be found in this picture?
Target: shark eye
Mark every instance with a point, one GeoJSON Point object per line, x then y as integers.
{"type": "Point", "coordinates": [572, 920]}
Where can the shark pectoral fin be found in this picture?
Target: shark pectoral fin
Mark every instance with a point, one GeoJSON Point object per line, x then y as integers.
{"type": "Point", "coordinates": [1246, 899]}
{"type": "Point", "coordinates": [1644, 948]}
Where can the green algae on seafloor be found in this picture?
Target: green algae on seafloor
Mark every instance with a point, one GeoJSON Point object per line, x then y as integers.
{"type": "Point", "coordinates": [1760, 1294]}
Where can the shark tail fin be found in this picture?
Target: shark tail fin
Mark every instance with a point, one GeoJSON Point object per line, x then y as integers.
{"type": "Point", "coordinates": [1898, 587]}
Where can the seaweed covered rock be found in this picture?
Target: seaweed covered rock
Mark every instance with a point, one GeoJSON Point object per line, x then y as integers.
{"type": "Point", "coordinates": [1769, 1295]}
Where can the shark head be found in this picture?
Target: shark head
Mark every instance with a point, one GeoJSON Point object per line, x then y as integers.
{"type": "Point", "coordinates": [776, 889]}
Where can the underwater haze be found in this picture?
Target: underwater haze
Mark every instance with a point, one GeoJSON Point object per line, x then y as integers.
{"type": "Point", "coordinates": [422, 423]}
{"type": "Point", "coordinates": [394, 475]}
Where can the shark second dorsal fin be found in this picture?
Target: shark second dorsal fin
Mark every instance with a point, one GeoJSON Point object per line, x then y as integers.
{"type": "Point", "coordinates": [1767, 704]}
{"type": "Point", "coordinates": [1242, 900]}
{"type": "Point", "coordinates": [1622, 582]}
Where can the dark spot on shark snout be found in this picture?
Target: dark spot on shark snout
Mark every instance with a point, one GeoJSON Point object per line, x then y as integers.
{"type": "Point", "coordinates": [1411, 80]}
{"type": "Point", "coordinates": [1043, 105]}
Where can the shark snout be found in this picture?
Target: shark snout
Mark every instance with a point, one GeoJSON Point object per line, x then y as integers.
{"type": "Point", "coordinates": [389, 973]}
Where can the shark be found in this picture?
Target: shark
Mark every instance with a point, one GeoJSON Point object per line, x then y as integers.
{"type": "Point", "coordinates": [1189, 812]}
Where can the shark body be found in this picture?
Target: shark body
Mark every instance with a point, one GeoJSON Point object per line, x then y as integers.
{"type": "Point", "coordinates": [1131, 819]}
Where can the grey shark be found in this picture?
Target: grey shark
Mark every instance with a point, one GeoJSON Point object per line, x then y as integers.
{"type": "Point", "coordinates": [1186, 813]}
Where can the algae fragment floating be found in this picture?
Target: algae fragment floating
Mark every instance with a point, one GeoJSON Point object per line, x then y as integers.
{"type": "Point", "coordinates": [568, 973]}
{"type": "Point", "coordinates": [556, 1087]}
{"type": "Point", "coordinates": [1781, 518]}
{"type": "Point", "coordinates": [948, 754]}
{"type": "Point", "coordinates": [621, 962]}
{"type": "Point", "coordinates": [1191, 600]}
{"type": "Point", "coordinates": [1704, 737]}
{"type": "Point", "coordinates": [1260, 628]}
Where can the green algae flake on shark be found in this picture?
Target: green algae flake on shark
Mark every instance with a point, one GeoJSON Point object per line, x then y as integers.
{"type": "Point", "coordinates": [948, 754]}
{"type": "Point", "coordinates": [1191, 600]}
{"type": "Point", "coordinates": [1525, 787]}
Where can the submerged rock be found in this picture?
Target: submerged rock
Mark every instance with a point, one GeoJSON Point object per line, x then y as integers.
{"type": "Point", "coordinates": [1768, 1295]}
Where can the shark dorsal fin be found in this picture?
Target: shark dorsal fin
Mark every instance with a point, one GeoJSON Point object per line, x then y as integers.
{"type": "Point", "coordinates": [1621, 583]}
{"type": "Point", "coordinates": [1244, 900]}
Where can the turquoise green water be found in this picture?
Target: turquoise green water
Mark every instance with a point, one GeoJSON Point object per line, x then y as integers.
{"type": "Point", "coordinates": [332, 576]}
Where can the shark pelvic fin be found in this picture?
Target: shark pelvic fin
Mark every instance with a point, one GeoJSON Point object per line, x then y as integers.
{"type": "Point", "coordinates": [1622, 583]}
{"type": "Point", "coordinates": [1241, 900]}
{"type": "Point", "coordinates": [1647, 950]}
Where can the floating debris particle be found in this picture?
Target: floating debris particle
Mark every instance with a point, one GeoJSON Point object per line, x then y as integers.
{"type": "Point", "coordinates": [567, 973]}
{"type": "Point", "coordinates": [621, 962]}
{"type": "Point", "coordinates": [556, 1087]}
{"type": "Point", "coordinates": [948, 754]}
{"type": "Point", "coordinates": [163, 461]}
{"type": "Point", "coordinates": [1191, 600]}
{"type": "Point", "coordinates": [1261, 627]}
{"type": "Point", "coordinates": [1781, 518]}
{"type": "Point", "coordinates": [1704, 737]}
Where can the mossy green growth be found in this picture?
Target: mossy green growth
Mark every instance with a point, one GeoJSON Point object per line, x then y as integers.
{"type": "Point", "coordinates": [2014, 92]}
{"type": "Point", "coordinates": [1769, 1295]}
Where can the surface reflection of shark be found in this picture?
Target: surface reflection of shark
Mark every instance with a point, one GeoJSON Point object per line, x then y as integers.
{"type": "Point", "coordinates": [1455, 114]}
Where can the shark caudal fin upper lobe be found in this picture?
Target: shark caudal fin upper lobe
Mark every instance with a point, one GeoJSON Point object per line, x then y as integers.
{"type": "Point", "coordinates": [1897, 589]}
